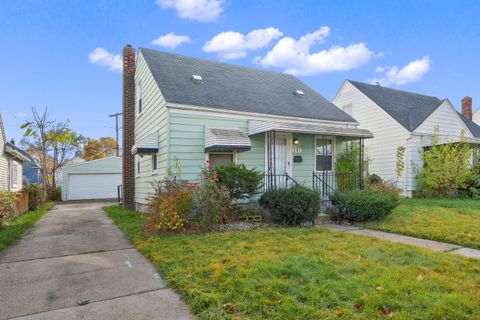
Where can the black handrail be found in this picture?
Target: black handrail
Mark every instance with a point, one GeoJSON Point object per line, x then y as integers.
{"type": "Point", "coordinates": [278, 181]}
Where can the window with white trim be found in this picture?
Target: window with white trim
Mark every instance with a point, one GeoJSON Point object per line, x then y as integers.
{"type": "Point", "coordinates": [220, 158]}
{"type": "Point", "coordinates": [323, 154]}
{"type": "Point", "coordinates": [154, 162]}
{"type": "Point", "coordinates": [14, 174]}
{"type": "Point", "coordinates": [138, 165]}
{"type": "Point", "coordinates": [139, 98]}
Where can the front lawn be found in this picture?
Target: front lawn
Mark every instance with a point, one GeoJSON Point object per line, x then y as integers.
{"type": "Point", "coordinates": [13, 229]}
{"type": "Point", "coordinates": [308, 273]}
{"type": "Point", "coordinates": [448, 220]}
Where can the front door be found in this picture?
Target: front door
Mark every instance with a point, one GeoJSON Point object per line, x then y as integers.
{"type": "Point", "coordinates": [281, 155]}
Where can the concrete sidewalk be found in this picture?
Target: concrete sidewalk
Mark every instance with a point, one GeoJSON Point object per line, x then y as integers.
{"type": "Point", "coordinates": [432, 245]}
{"type": "Point", "coordinates": [76, 264]}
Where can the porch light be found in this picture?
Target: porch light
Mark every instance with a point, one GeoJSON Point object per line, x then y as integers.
{"type": "Point", "coordinates": [295, 141]}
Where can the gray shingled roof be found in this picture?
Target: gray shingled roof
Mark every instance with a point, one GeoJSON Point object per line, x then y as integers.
{"type": "Point", "coordinates": [407, 108]}
{"type": "Point", "coordinates": [472, 126]}
{"type": "Point", "coordinates": [233, 87]}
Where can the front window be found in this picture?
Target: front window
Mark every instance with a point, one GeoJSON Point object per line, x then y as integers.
{"type": "Point", "coordinates": [323, 154]}
{"type": "Point", "coordinates": [154, 162]}
{"type": "Point", "coordinates": [218, 159]}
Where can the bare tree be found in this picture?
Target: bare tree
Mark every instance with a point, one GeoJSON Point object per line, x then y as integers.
{"type": "Point", "coordinates": [36, 140]}
{"type": "Point", "coordinates": [51, 143]}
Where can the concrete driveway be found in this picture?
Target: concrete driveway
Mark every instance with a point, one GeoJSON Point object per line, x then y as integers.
{"type": "Point", "coordinates": [76, 264]}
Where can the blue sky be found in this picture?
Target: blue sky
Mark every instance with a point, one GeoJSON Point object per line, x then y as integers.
{"type": "Point", "coordinates": [63, 54]}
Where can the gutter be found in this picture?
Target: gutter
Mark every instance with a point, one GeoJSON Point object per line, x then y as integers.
{"type": "Point", "coordinates": [16, 154]}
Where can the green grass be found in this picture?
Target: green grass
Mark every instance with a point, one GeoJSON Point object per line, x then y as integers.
{"type": "Point", "coordinates": [308, 273]}
{"type": "Point", "coordinates": [13, 229]}
{"type": "Point", "coordinates": [448, 220]}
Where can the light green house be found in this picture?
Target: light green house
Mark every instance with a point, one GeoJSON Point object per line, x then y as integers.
{"type": "Point", "coordinates": [195, 110]}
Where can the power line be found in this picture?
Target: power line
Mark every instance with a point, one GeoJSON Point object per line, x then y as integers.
{"type": "Point", "coordinates": [116, 115]}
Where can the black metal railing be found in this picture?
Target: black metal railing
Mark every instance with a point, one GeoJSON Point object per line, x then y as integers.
{"type": "Point", "coordinates": [327, 183]}
{"type": "Point", "coordinates": [278, 181]}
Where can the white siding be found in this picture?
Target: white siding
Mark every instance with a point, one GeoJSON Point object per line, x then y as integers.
{"type": "Point", "coordinates": [388, 133]}
{"type": "Point", "coordinates": [413, 163]}
{"type": "Point", "coordinates": [448, 121]}
{"type": "Point", "coordinates": [152, 120]}
{"type": "Point", "coordinates": [3, 161]}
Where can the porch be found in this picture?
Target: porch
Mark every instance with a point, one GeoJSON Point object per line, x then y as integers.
{"type": "Point", "coordinates": [325, 158]}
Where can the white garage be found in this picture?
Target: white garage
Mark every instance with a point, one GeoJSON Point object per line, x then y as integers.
{"type": "Point", "coordinates": [96, 179]}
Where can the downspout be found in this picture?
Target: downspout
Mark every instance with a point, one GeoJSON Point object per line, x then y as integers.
{"type": "Point", "coordinates": [407, 163]}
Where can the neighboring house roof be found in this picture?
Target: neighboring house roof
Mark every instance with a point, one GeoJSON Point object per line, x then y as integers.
{"type": "Point", "coordinates": [232, 87]}
{"type": "Point", "coordinates": [407, 108]}
{"type": "Point", "coordinates": [89, 162]}
{"type": "Point", "coordinates": [15, 151]}
{"type": "Point", "coordinates": [472, 126]}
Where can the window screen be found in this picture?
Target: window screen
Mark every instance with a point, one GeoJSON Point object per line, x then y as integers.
{"type": "Point", "coordinates": [324, 155]}
{"type": "Point", "coordinates": [218, 159]}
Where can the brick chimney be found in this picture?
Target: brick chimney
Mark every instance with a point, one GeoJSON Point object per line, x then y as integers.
{"type": "Point", "coordinates": [467, 107]}
{"type": "Point", "coordinates": [128, 138]}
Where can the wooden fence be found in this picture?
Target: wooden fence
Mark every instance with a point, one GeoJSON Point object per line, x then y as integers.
{"type": "Point", "coordinates": [21, 203]}
{"type": "Point", "coordinates": [21, 206]}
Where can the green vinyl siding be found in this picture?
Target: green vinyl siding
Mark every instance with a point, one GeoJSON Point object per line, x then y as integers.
{"type": "Point", "coordinates": [302, 171]}
{"type": "Point", "coordinates": [187, 142]}
{"type": "Point", "coordinates": [182, 138]}
{"type": "Point", "coordinates": [153, 119]}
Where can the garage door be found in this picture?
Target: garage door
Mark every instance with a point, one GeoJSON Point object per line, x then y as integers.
{"type": "Point", "coordinates": [93, 186]}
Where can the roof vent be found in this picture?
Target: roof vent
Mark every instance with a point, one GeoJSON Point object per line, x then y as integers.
{"type": "Point", "coordinates": [197, 78]}
{"type": "Point", "coordinates": [299, 93]}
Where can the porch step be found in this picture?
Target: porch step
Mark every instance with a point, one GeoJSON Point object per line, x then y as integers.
{"type": "Point", "coordinates": [322, 218]}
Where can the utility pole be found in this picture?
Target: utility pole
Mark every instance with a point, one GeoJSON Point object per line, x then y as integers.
{"type": "Point", "coordinates": [116, 115]}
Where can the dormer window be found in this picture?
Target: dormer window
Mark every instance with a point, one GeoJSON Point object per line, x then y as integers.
{"type": "Point", "coordinates": [139, 96]}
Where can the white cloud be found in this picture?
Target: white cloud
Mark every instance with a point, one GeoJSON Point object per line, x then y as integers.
{"type": "Point", "coordinates": [295, 58]}
{"type": "Point", "coordinates": [199, 10]}
{"type": "Point", "coordinates": [104, 58]}
{"type": "Point", "coordinates": [21, 115]}
{"type": "Point", "coordinates": [171, 40]}
{"type": "Point", "coordinates": [411, 72]}
{"type": "Point", "coordinates": [233, 45]}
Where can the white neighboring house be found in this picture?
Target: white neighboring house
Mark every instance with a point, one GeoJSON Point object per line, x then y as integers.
{"type": "Point", "coordinates": [11, 159]}
{"type": "Point", "coordinates": [400, 118]}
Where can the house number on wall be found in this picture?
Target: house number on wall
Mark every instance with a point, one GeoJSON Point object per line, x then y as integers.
{"type": "Point", "coordinates": [297, 150]}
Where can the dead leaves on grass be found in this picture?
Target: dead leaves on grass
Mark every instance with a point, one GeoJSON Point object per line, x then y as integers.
{"type": "Point", "coordinates": [386, 311]}
{"type": "Point", "coordinates": [230, 308]}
